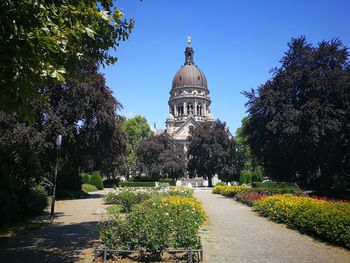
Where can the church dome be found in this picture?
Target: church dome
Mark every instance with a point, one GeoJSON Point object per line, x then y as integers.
{"type": "Point", "coordinates": [189, 74]}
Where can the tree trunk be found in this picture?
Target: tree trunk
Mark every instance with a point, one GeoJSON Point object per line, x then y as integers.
{"type": "Point", "coordinates": [210, 181]}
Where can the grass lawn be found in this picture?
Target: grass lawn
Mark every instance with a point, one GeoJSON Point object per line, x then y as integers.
{"type": "Point", "coordinates": [88, 188]}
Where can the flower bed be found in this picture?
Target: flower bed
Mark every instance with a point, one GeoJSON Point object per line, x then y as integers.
{"type": "Point", "coordinates": [326, 220]}
{"type": "Point", "coordinates": [249, 196]}
{"type": "Point", "coordinates": [228, 191]}
{"type": "Point", "coordinates": [127, 197]}
{"type": "Point", "coordinates": [163, 221]}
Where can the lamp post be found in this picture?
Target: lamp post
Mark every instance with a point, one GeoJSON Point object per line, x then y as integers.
{"type": "Point", "coordinates": [58, 144]}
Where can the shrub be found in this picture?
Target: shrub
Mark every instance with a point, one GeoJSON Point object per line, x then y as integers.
{"type": "Point", "coordinates": [88, 188]}
{"type": "Point", "coordinates": [96, 180]}
{"type": "Point", "coordinates": [140, 179]}
{"type": "Point", "coordinates": [156, 224]}
{"type": "Point", "coordinates": [270, 185]}
{"type": "Point", "coordinates": [34, 202]}
{"type": "Point", "coordinates": [220, 184]}
{"type": "Point", "coordinates": [325, 220]}
{"type": "Point", "coordinates": [228, 191]}
{"type": "Point", "coordinates": [171, 182]}
{"type": "Point", "coordinates": [85, 178]}
{"type": "Point", "coordinates": [137, 184]}
{"type": "Point", "coordinates": [18, 205]}
{"type": "Point", "coordinates": [245, 177]}
{"type": "Point", "coordinates": [110, 183]}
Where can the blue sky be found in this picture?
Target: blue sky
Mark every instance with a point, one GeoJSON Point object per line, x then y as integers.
{"type": "Point", "coordinates": [236, 43]}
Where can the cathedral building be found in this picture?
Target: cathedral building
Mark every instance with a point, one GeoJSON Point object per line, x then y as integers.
{"type": "Point", "coordinates": [189, 102]}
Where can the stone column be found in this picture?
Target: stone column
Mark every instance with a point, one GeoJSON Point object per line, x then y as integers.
{"type": "Point", "coordinates": [195, 108]}
{"type": "Point", "coordinates": [185, 108]}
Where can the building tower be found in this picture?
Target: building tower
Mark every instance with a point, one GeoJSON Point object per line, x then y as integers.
{"type": "Point", "coordinates": [189, 102]}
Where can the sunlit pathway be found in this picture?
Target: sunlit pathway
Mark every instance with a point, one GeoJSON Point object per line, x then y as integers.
{"type": "Point", "coordinates": [68, 240]}
{"type": "Point", "coordinates": [236, 234]}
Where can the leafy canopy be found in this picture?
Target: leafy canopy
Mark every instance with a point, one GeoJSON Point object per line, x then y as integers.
{"type": "Point", "coordinates": [161, 157]}
{"type": "Point", "coordinates": [298, 123]}
{"type": "Point", "coordinates": [211, 150]}
{"type": "Point", "coordinates": [43, 42]}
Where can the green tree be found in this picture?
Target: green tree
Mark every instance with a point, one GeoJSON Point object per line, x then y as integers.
{"type": "Point", "coordinates": [247, 165]}
{"type": "Point", "coordinates": [85, 114]}
{"type": "Point", "coordinates": [211, 151]}
{"type": "Point", "coordinates": [161, 157]}
{"type": "Point", "coordinates": [135, 129]}
{"type": "Point", "coordinates": [298, 125]}
{"type": "Point", "coordinates": [44, 42]}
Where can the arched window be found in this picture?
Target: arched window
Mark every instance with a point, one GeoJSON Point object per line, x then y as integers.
{"type": "Point", "coordinates": [180, 109]}
{"type": "Point", "coordinates": [190, 108]}
{"type": "Point", "coordinates": [199, 109]}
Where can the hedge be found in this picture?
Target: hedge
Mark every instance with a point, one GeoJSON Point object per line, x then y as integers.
{"type": "Point", "coordinates": [171, 182]}
{"type": "Point", "coordinates": [329, 221]}
{"type": "Point", "coordinates": [228, 191]}
{"type": "Point", "coordinates": [270, 185]}
{"type": "Point", "coordinates": [137, 184]}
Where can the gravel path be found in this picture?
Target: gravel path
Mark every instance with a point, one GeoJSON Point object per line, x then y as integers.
{"type": "Point", "coordinates": [69, 239]}
{"type": "Point", "coordinates": [236, 234]}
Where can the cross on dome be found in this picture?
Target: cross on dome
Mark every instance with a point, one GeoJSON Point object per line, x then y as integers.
{"type": "Point", "coordinates": [189, 39]}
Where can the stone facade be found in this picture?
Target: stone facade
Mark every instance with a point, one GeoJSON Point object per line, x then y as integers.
{"type": "Point", "coordinates": [189, 102]}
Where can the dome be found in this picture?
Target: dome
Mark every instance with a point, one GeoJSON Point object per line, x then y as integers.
{"type": "Point", "coordinates": [189, 75]}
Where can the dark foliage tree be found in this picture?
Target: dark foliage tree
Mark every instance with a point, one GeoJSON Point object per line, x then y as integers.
{"type": "Point", "coordinates": [298, 124]}
{"type": "Point", "coordinates": [85, 114]}
{"type": "Point", "coordinates": [211, 151]}
{"type": "Point", "coordinates": [160, 157]}
{"type": "Point", "coordinates": [43, 42]}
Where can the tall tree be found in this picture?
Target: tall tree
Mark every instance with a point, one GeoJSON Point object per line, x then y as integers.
{"type": "Point", "coordinates": [211, 151]}
{"type": "Point", "coordinates": [161, 157]}
{"type": "Point", "coordinates": [85, 114]}
{"type": "Point", "coordinates": [135, 129]}
{"type": "Point", "coordinates": [43, 42]}
{"type": "Point", "coordinates": [246, 161]}
{"type": "Point", "coordinates": [298, 125]}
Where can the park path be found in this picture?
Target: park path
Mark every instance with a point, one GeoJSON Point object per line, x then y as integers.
{"type": "Point", "coordinates": [236, 234]}
{"type": "Point", "coordinates": [69, 239]}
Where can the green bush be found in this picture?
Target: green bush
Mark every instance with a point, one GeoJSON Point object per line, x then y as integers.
{"type": "Point", "coordinates": [96, 180]}
{"type": "Point", "coordinates": [35, 201]}
{"type": "Point", "coordinates": [171, 182]}
{"type": "Point", "coordinates": [270, 185]}
{"type": "Point", "coordinates": [140, 179]}
{"type": "Point", "coordinates": [110, 183]}
{"type": "Point", "coordinates": [85, 178]}
{"type": "Point", "coordinates": [325, 220]}
{"type": "Point", "coordinates": [89, 188]}
{"type": "Point", "coordinates": [137, 184]}
{"type": "Point", "coordinates": [220, 184]}
{"type": "Point", "coordinates": [245, 177]}
{"type": "Point", "coordinates": [18, 205]}
{"type": "Point", "coordinates": [156, 224]}
{"type": "Point", "coordinates": [228, 191]}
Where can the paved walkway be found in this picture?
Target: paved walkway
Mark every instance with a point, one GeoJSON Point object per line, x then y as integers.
{"type": "Point", "coordinates": [68, 240]}
{"type": "Point", "coordinates": [236, 234]}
